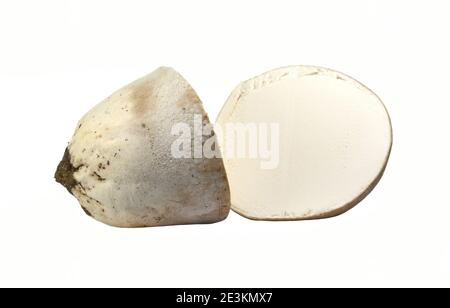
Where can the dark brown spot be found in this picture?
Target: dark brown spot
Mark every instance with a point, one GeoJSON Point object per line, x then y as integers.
{"type": "Point", "coordinates": [86, 211]}
{"type": "Point", "coordinates": [65, 172]}
{"type": "Point", "coordinates": [98, 177]}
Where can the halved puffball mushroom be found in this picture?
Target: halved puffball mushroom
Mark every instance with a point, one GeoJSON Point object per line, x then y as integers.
{"type": "Point", "coordinates": [120, 167]}
{"type": "Point", "coordinates": [325, 143]}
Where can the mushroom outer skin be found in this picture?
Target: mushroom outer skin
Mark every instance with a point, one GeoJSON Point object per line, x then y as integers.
{"type": "Point", "coordinates": [119, 164]}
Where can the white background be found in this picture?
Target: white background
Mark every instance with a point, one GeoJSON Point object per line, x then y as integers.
{"type": "Point", "coordinates": [59, 58]}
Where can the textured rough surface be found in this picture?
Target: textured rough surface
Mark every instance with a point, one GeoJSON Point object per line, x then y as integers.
{"type": "Point", "coordinates": [119, 164]}
{"type": "Point", "coordinates": [335, 141]}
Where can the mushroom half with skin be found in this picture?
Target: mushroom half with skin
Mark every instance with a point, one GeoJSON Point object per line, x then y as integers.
{"type": "Point", "coordinates": [120, 167]}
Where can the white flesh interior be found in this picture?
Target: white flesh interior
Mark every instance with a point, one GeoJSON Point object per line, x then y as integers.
{"type": "Point", "coordinates": [335, 139]}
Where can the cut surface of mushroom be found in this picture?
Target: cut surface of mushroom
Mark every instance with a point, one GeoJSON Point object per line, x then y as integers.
{"type": "Point", "coordinates": [328, 138]}
{"type": "Point", "coordinates": [120, 167]}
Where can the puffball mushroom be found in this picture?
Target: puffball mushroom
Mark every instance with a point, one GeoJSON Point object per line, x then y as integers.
{"type": "Point", "coordinates": [119, 163]}
{"type": "Point", "coordinates": [333, 144]}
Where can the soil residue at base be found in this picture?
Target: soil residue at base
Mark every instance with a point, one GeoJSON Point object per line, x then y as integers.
{"type": "Point", "coordinates": [86, 211]}
{"type": "Point", "coordinates": [65, 172]}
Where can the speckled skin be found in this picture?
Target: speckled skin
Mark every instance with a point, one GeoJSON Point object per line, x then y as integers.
{"type": "Point", "coordinates": [123, 172]}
